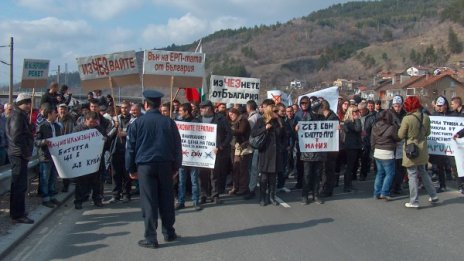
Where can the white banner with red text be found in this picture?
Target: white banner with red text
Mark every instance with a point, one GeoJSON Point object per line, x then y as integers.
{"type": "Point", "coordinates": [77, 154]}
{"type": "Point", "coordinates": [186, 68]}
{"type": "Point", "coordinates": [236, 90]}
{"type": "Point", "coordinates": [198, 144]}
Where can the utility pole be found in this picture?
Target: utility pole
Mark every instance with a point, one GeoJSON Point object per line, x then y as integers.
{"type": "Point", "coordinates": [66, 73]}
{"type": "Point", "coordinates": [58, 75]}
{"type": "Point", "coordinates": [10, 90]}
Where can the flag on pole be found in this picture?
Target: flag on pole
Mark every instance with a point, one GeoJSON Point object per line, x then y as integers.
{"type": "Point", "coordinates": [197, 94]}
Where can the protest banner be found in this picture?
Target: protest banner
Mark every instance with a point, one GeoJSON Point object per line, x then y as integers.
{"type": "Point", "coordinates": [458, 147]}
{"type": "Point", "coordinates": [237, 90]}
{"type": "Point", "coordinates": [318, 136]}
{"type": "Point", "coordinates": [329, 94]}
{"type": "Point", "coordinates": [121, 68]}
{"type": "Point", "coordinates": [280, 97]}
{"type": "Point", "coordinates": [442, 130]}
{"type": "Point", "coordinates": [77, 154]}
{"type": "Point", "coordinates": [198, 144]}
{"type": "Point", "coordinates": [187, 68]}
{"type": "Point", "coordinates": [35, 73]}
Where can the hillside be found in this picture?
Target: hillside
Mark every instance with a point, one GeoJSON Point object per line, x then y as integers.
{"type": "Point", "coordinates": [353, 41]}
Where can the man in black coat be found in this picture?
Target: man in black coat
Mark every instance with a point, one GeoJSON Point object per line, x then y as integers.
{"type": "Point", "coordinates": [213, 181]}
{"type": "Point", "coordinates": [20, 145]}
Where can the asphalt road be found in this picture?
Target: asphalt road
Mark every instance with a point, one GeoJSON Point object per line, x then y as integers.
{"type": "Point", "coordinates": [350, 226]}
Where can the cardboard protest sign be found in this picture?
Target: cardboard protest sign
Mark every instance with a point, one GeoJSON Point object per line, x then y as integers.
{"type": "Point", "coordinates": [77, 154]}
{"type": "Point", "coordinates": [237, 90]}
{"type": "Point", "coordinates": [280, 97]}
{"type": "Point", "coordinates": [95, 71]}
{"type": "Point", "coordinates": [442, 130]}
{"type": "Point", "coordinates": [318, 136]}
{"type": "Point", "coordinates": [188, 69]}
{"type": "Point", "coordinates": [458, 147]}
{"type": "Point", "coordinates": [329, 94]}
{"type": "Point", "coordinates": [35, 73]}
{"type": "Point", "coordinates": [198, 144]}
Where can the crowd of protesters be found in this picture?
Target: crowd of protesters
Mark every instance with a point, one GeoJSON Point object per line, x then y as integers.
{"type": "Point", "coordinates": [369, 137]}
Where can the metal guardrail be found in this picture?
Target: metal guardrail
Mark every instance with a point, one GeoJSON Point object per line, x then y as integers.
{"type": "Point", "coordinates": [5, 174]}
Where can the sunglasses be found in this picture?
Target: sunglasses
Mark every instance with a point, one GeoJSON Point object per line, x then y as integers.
{"type": "Point", "coordinates": [303, 102]}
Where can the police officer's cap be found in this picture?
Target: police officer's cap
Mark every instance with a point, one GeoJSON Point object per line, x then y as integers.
{"type": "Point", "coordinates": [206, 103]}
{"type": "Point", "coordinates": [152, 95]}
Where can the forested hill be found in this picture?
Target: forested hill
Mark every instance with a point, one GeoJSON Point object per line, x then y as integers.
{"type": "Point", "coordinates": [353, 40]}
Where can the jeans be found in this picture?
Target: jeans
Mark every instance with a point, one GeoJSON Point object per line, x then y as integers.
{"type": "Point", "coordinates": [253, 171]}
{"type": "Point", "coordinates": [47, 176]}
{"type": "Point", "coordinates": [183, 172]}
{"type": "Point", "coordinates": [413, 173]}
{"type": "Point", "coordinates": [384, 177]}
{"type": "Point", "coordinates": [311, 178]}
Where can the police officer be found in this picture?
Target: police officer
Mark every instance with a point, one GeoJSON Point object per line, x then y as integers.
{"type": "Point", "coordinates": [153, 154]}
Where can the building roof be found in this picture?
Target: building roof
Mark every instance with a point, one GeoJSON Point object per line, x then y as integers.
{"type": "Point", "coordinates": [427, 81]}
{"type": "Point", "coordinates": [400, 85]}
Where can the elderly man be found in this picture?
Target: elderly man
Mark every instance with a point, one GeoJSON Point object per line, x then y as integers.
{"type": "Point", "coordinates": [21, 142]}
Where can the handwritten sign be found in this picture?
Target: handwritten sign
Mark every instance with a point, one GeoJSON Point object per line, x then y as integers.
{"type": "Point", "coordinates": [188, 69]}
{"type": "Point", "coordinates": [77, 154]}
{"type": "Point", "coordinates": [35, 73]}
{"type": "Point", "coordinates": [318, 136]}
{"type": "Point", "coordinates": [198, 144]}
{"type": "Point", "coordinates": [442, 130]}
{"type": "Point", "coordinates": [458, 147]}
{"type": "Point", "coordinates": [95, 71]}
{"type": "Point", "coordinates": [229, 89]}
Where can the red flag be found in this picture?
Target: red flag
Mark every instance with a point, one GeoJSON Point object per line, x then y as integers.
{"type": "Point", "coordinates": [192, 95]}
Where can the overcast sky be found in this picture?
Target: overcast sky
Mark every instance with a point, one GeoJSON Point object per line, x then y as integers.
{"type": "Point", "coordinates": [62, 30]}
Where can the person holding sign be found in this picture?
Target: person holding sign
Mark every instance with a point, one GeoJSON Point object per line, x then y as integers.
{"type": "Point", "coordinates": [213, 181]}
{"type": "Point", "coordinates": [47, 172]}
{"type": "Point", "coordinates": [184, 113]}
{"type": "Point", "coordinates": [91, 182]}
{"type": "Point", "coordinates": [154, 154]}
{"type": "Point", "coordinates": [20, 145]}
{"type": "Point", "coordinates": [312, 161]}
{"type": "Point", "coordinates": [415, 128]}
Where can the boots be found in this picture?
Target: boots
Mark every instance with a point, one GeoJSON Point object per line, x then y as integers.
{"type": "Point", "coordinates": [272, 190]}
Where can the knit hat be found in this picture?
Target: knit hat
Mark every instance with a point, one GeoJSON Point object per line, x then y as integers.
{"type": "Point", "coordinates": [412, 103]}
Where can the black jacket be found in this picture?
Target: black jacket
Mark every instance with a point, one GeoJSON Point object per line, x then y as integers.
{"type": "Point", "coordinates": [45, 132]}
{"type": "Point", "coordinates": [270, 158]}
{"type": "Point", "coordinates": [352, 131]}
{"type": "Point", "coordinates": [19, 134]}
{"type": "Point", "coordinates": [49, 98]}
{"type": "Point", "coordinates": [224, 133]}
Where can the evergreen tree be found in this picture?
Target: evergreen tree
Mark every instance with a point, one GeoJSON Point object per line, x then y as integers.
{"type": "Point", "coordinates": [454, 45]}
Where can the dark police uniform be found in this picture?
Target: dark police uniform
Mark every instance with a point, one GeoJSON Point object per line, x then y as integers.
{"type": "Point", "coordinates": [153, 150]}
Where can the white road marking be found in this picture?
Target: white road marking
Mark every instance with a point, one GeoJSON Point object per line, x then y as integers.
{"type": "Point", "coordinates": [282, 203]}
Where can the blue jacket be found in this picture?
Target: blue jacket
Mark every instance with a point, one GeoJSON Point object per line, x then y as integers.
{"type": "Point", "coordinates": [153, 138]}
